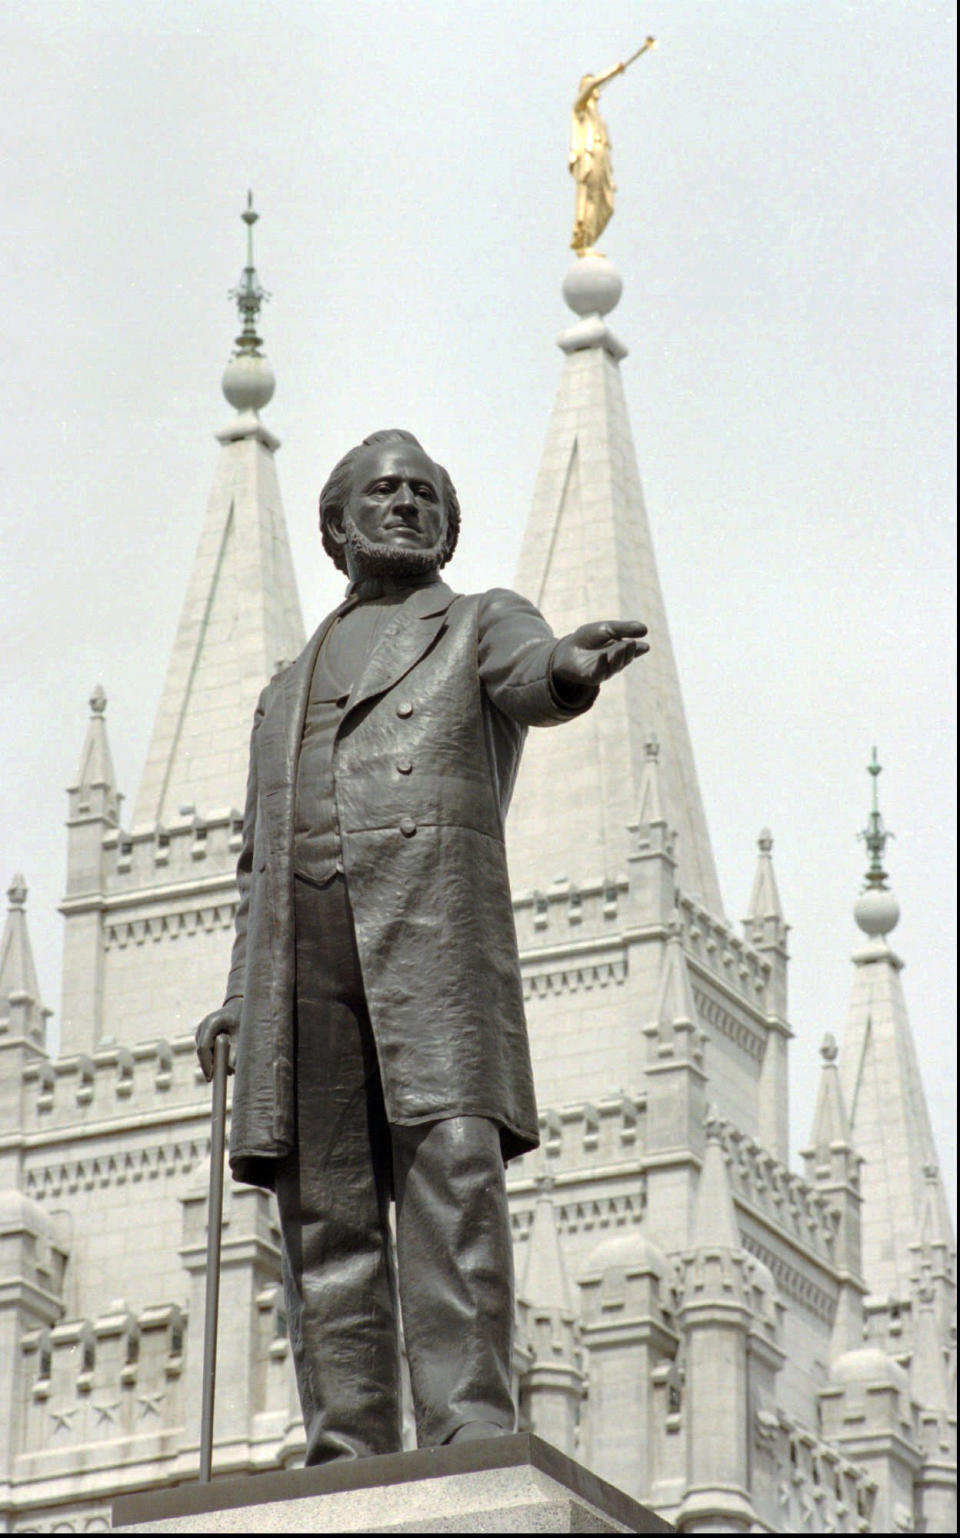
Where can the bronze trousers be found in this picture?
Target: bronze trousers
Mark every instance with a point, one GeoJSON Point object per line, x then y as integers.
{"type": "Point", "coordinates": [453, 1270]}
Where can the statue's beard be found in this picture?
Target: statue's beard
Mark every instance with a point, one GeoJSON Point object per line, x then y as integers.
{"type": "Point", "coordinates": [371, 559]}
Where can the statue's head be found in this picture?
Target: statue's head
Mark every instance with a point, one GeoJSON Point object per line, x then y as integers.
{"type": "Point", "coordinates": [388, 509]}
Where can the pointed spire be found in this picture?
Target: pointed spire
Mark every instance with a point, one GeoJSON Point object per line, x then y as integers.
{"type": "Point", "coordinates": [241, 616]}
{"type": "Point", "coordinates": [882, 1088]}
{"type": "Point", "coordinates": [649, 800]}
{"type": "Point", "coordinates": [928, 1367]}
{"type": "Point", "coordinates": [675, 1006]}
{"type": "Point", "coordinates": [248, 380]}
{"type": "Point", "coordinates": [932, 1231]}
{"type": "Point", "coordinates": [587, 554]}
{"type": "Point", "coordinates": [765, 898]}
{"type": "Point", "coordinates": [21, 1008]}
{"type": "Point", "coordinates": [830, 1125]}
{"type": "Point", "coordinates": [546, 1284]}
{"type": "Point", "coordinates": [94, 791]}
{"type": "Point", "coordinates": [715, 1219]}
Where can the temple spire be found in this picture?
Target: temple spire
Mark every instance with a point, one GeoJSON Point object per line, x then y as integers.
{"type": "Point", "coordinates": [587, 554]}
{"type": "Point", "coordinates": [882, 1088]}
{"type": "Point", "coordinates": [241, 616]}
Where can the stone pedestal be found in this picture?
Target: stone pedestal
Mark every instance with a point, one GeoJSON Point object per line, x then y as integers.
{"type": "Point", "coordinates": [514, 1484]}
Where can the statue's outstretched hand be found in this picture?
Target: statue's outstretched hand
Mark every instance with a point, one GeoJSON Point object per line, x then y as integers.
{"type": "Point", "coordinates": [225, 1021]}
{"type": "Point", "coordinates": [593, 653]}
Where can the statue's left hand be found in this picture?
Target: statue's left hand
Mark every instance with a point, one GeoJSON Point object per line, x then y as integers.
{"type": "Point", "coordinates": [593, 653]}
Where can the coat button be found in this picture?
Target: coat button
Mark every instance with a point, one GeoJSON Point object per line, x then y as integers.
{"type": "Point", "coordinates": [408, 827]}
{"type": "Point", "coordinates": [404, 766]}
{"type": "Point", "coordinates": [404, 709]}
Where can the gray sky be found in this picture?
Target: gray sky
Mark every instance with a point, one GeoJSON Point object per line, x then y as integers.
{"type": "Point", "coordinates": [785, 231]}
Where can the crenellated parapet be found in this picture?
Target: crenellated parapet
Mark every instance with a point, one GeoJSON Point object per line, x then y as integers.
{"type": "Point", "coordinates": [111, 1081]}
{"type": "Point", "coordinates": [782, 1199]}
{"type": "Point", "coordinates": [183, 851]}
{"type": "Point", "coordinates": [111, 1383]}
{"type": "Point", "coordinates": [802, 1483]}
{"type": "Point", "coordinates": [723, 956]}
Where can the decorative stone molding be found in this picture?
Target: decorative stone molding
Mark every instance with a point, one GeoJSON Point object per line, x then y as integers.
{"type": "Point", "coordinates": [750, 1037]}
{"type": "Point", "coordinates": [44, 1182]}
{"type": "Point", "coordinates": [169, 926]}
{"type": "Point", "coordinates": [791, 1280]}
{"type": "Point", "coordinates": [578, 978]}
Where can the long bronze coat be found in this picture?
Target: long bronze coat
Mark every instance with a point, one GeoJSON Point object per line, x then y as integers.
{"type": "Point", "coordinates": [424, 764]}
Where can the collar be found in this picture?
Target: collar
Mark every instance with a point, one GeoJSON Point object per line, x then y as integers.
{"type": "Point", "coordinates": [366, 589]}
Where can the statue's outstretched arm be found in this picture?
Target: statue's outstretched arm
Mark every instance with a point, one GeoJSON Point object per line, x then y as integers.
{"type": "Point", "coordinates": [596, 82]}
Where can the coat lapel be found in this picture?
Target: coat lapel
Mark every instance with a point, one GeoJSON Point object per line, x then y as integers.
{"type": "Point", "coordinates": [278, 739]}
{"type": "Point", "coordinates": [402, 642]}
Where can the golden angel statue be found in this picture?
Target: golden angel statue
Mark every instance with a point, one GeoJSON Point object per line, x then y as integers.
{"type": "Point", "coordinates": [589, 162]}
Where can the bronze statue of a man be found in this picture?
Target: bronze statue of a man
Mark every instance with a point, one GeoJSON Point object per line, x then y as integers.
{"type": "Point", "coordinates": [374, 1002]}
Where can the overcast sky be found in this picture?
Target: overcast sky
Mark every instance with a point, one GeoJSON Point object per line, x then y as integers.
{"type": "Point", "coordinates": [785, 231]}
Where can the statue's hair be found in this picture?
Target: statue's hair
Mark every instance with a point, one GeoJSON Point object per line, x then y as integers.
{"type": "Point", "coordinates": [334, 496]}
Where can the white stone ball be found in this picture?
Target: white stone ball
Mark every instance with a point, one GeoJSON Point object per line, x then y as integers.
{"type": "Point", "coordinates": [592, 286]}
{"type": "Point", "coordinates": [877, 912]}
{"type": "Point", "coordinates": [248, 382]}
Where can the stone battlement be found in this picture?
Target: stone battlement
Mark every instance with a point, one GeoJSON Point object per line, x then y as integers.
{"type": "Point", "coordinates": [764, 1185]}
{"type": "Point", "coordinates": [113, 1080]}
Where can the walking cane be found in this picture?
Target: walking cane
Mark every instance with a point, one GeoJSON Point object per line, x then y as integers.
{"type": "Point", "coordinates": [221, 1059]}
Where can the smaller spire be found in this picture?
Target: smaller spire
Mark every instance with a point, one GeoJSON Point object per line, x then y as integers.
{"type": "Point", "coordinates": [675, 1004]}
{"type": "Point", "coordinates": [928, 1366]}
{"type": "Point", "coordinates": [933, 1249]}
{"type": "Point", "coordinates": [649, 800]}
{"type": "Point", "coordinates": [21, 1008]}
{"type": "Point", "coordinates": [877, 910]}
{"type": "Point", "coordinates": [765, 898]}
{"type": "Point", "coordinates": [248, 381]}
{"type": "Point", "coordinates": [715, 1219]}
{"type": "Point", "coordinates": [831, 1129]}
{"type": "Point", "coordinates": [94, 790]}
{"type": "Point", "coordinates": [546, 1283]}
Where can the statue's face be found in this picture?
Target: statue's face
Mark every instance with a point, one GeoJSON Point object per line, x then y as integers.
{"type": "Point", "coordinates": [395, 518]}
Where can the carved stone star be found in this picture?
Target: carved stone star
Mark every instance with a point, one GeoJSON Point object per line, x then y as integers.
{"type": "Point", "coordinates": [62, 1419]}
{"type": "Point", "coordinates": [106, 1412]}
{"type": "Point", "coordinates": [150, 1403]}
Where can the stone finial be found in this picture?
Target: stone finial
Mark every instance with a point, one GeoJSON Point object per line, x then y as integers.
{"type": "Point", "coordinates": [713, 1125]}
{"type": "Point", "coordinates": [98, 701]}
{"type": "Point", "coordinates": [829, 1050]}
{"type": "Point", "coordinates": [17, 891]}
{"type": "Point", "coordinates": [765, 906]}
